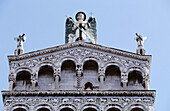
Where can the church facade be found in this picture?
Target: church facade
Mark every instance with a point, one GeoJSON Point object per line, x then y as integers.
{"type": "Point", "coordinates": [79, 76]}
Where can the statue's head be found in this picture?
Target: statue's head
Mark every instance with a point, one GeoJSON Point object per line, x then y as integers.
{"type": "Point", "coordinates": [80, 16]}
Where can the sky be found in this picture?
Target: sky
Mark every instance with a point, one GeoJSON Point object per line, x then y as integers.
{"type": "Point", "coordinates": [43, 22]}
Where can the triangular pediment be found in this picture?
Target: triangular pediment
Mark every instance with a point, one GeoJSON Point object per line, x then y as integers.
{"type": "Point", "coordinates": [80, 44]}
{"type": "Point", "coordinates": [79, 50]}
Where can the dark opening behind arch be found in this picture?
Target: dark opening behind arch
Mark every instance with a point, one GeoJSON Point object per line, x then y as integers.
{"type": "Point", "coordinates": [135, 77]}
{"type": "Point", "coordinates": [90, 65]}
{"type": "Point", "coordinates": [113, 109]}
{"type": "Point", "coordinates": [43, 109]}
{"type": "Point", "coordinates": [113, 70]}
{"type": "Point", "coordinates": [137, 109]}
{"type": "Point", "coordinates": [19, 109]}
{"type": "Point", "coordinates": [66, 109]}
{"type": "Point", "coordinates": [46, 78]}
{"type": "Point", "coordinates": [89, 109]}
{"type": "Point", "coordinates": [23, 81]}
{"type": "Point", "coordinates": [68, 65]}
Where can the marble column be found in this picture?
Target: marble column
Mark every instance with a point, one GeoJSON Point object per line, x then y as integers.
{"type": "Point", "coordinates": [57, 77]}
{"type": "Point", "coordinates": [101, 79]}
{"type": "Point", "coordinates": [11, 82]}
{"type": "Point", "coordinates": [124, 80]}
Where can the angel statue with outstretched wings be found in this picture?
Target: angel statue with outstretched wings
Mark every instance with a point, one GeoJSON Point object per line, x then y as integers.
{"type": "Point", "coordinates": [81, 29]}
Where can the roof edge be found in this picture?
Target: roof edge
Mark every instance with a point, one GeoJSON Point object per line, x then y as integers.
{"type": "Point", "coordinates": [83, 44]}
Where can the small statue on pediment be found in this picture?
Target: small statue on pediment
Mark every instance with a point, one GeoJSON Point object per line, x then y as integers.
{"type": "Point", "coordinates": [20, 40]}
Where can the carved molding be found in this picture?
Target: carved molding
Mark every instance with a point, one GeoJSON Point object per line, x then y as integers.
{"type": "Point", "coordinates": [80, 43]}
{"type": "Point", "coordinates": [79, 101]}
{"type": "Point", "coordinates": [82, 92]}
{"type": "Point", "coordinates": [80, 53]}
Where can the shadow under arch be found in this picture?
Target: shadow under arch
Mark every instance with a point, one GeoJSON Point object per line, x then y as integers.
{"type": "Point", "coordinates": [68, 75]}
{"type": "Point", "coordinates": [135, 80]}
{"type": "Point", "coordinates": [63, 59]}
{"type": "Point", "coordinates": [22, 79]}
{"type": "Point", "coordinates": [113, 107]}
{"type": "Point", "coordinates": [90, 107]}
{"type": "Point", "coordinates": [22, 69]}
{"type": "Point", "coordinates": [66, 107]}
{"type": "Point", "coordinates": [130, 69]}
{"type": "Point", "coordinates": [19, 107]}
{"type": "Point", "coordinates": [121, 67]}
{"type": "Point", "coordinates": [38, 66]}
{"type": "Point", "coordinates": [90, 73]}
{"type": "Point", "coordinates": [45, 78]}
{"type": "Point", "coordinates": [43, 107]}
{"type": "Point", "coordinates": [112, 77]}
{"type": "Point", "coordinates": [93, 58]}
{"type": "Point", "coordinates": [137, 107]}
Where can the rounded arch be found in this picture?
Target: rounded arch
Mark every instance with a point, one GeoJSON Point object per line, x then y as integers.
{"type": "Point", "coordinates": [88, 86]}
{"type": "Point", "coordinates": [22, 69]}
{"type": "Point", "coordinates": [63, 59]}
{"type": "Point", "coordinates": [112, 77]}
{"type": "Point", "coordinates": [43, 107]}
{"type": "Point", "coordinates": [19, 107]}
{"type": "Point", "coordinates": [66, 107]}
{"type": "Point", "coordinates": [121, 67]}
{"type": "Point", "coordinates": [130, 69]}
{"type": "Point", "coordinates": [135, 78]}
{"type": "Point", "coordinates": [45, 76]}
{"type": "Point", "coordinates": [68, 75]}
{"type": "Point", "coordinates": [88, 58]}
{"type": "Point", "coordinates": [137, 107]}
{"type": "Point", "coordinates": [22, 79]}
{"type": "Point", "coordinates": [113, 107]}
{"type": "Point", "coordinates": [38, 67]}
{"type": "Point", "coordinates": [69, 63]}
{"type": "Point", "coordinates": [90, 107]}
{"type": "Point", "coordinates": [90, 72]}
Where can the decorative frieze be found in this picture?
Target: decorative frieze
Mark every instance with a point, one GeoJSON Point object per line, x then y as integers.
{"type": "Point", "coordinates": [57, 101]}
{"type": "Point", "coordinates": [80, 53]}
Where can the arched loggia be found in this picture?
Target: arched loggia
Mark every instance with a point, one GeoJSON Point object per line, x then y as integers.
{"type": "Point", "coordinates": [113, 77]}
{"type": "Point", "coordinates": [23, 81]}
{"type": "Point", "coordinates": [68, 75]}
{"type": "Point", "coordinates": [45, 78]}
{"type": "Point", "coordinates": [90, 73]}
{"type": "Point", "coordinates": [135, 80]}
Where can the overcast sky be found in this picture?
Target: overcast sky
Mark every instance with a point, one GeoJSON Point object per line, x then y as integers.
{"type": "Point", "coordinates": [43, 21]}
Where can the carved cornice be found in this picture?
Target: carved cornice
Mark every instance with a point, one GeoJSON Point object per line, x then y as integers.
{"type": "Point", "coordinates": [82, 44]}
{"type": "Point", "coordinates": [150, 93]}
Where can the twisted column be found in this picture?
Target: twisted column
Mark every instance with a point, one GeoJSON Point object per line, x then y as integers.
{"type": "Point", "coordinates": [79, 73]}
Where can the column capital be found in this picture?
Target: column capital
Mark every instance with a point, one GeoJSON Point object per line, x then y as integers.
{"type": "Point", "coordinates": [79, 69]}
{"type": "Point", "coordinates": [11, 77]}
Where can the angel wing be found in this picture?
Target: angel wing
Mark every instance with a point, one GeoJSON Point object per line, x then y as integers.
{"type": "Point", "coordinates": [68, 30]}
{"type": "Point", "coordinates": [92, 31]}
{"type": "Point", "coordinates": [144, 38]}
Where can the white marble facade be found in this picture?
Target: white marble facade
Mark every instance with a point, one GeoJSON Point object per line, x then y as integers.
{"type": "Point", "coordinates": [79, 76]}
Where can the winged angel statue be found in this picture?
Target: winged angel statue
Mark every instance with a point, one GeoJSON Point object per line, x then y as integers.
{"type": "Point", "coordinates": [81, 29]}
